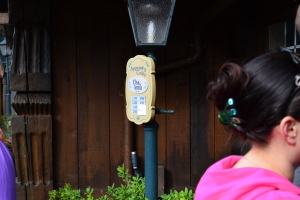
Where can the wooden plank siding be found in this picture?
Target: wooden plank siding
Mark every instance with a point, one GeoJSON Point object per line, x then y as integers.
{"type": "Point", "coordinates": [64, 82]}
{"type": "Point", "coordinates": [90, 54]}
{"type": "Point", "coordinates": [90, 51]}
{"type": "Point", "coordinates": [33, 155]}
{"type": "Point", "coordinates": [98, 79]}
{"type": "Point", "coordinates": [93, 100]}
{"type": "Point", "coordinates": [120, 36]}
{"type": "Point", "coordinates": [178, 99]}
{"type": "Point", "coordinates": [71, 125]}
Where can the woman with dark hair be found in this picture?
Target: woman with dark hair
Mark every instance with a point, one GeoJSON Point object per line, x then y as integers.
{"type": "Point", "coordinates": [260, 103]}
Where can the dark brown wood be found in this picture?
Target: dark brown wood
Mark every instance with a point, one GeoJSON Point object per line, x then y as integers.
{"type": "Point", "coordinates": [31, 67]}
{"type": "Point", "coordinates": [201, 145]}
{"type": "Point", "coordinates": [33, 156]}
{"type": "Point", "coordinates": [91, 45]}
{"type": "Point", "coordinates": [31, 73]}
{"type": "Point", "coordinates": [161, 180]}
{"type": "Point", "coordinates": [214, 11]}
{"type": "Point", "coordinates": [178, 137]}
{"type": "Point", "coordinates": [119, 32]}
{"type": "Point", "coordinates": [32, 104]}
{"type": "Point", "coordinates": [39, 138]}
{"type": "Point", "coordinates": [161, 120]}
{"type": "Point", "coordinates": [93, 100]}
{"type": "Point", "coordinates": [39, 142]}
{"type": "Point", "coordinates": [20, 156]}
{"type": "Point", "coordinates": [65, 152]}
{"type": "Point", "coordinates": [178, 98]}
{"type": "Point", "coordinates": [39, 81]}
{"type": "Point", "coordinates": [37, 192]}
{"type": "Point", "coordinates": [18, 68]}
{"type": "Point", "coordinates": [139, 145]}
{"type": "Point", "coordinates": [21, 192]}
{"type": "Point", "coordinates": [160, 103]}
{"type": "Point", "coordinates": [20, 149]}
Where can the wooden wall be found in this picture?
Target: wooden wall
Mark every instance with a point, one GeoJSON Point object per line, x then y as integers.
{"type": "Point", "coordinates": [91, 44]}
{"type": "Point", "coordinates": [90, 51]}
{"type": "Point", "coordinates": [82, 80]}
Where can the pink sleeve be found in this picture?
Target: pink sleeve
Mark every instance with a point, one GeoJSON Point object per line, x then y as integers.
{"type": "Point", "coordinates": [277, 194]}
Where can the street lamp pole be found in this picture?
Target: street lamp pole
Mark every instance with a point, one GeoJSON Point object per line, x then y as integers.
{"type": "Point", "coordinates": [151, 20]}
{"type": "Point", "coordinates": [6, 52]}
{"type": "Point", "coordinates": [8, 93]}
{"type": "Point", "coordinates": [150, 142]}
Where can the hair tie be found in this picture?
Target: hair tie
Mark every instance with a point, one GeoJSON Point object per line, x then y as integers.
{"type": "Point", "coordinates": [227, 116]}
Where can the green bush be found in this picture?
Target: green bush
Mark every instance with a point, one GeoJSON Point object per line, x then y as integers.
{"type": "Point", "coordinates": [182, 195]}
{"type": "Point", "coordinates": [5, 130]}
{"type": "Point", "coordinates": [132, 189]}
{"type": "Point", "coordinates": [65, 193]}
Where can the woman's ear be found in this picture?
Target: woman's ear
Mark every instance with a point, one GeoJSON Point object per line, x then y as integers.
{"type": "Point", "coordinates": [288, 129]}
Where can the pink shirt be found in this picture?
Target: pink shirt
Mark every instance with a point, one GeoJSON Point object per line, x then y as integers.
{"type": "Point", "coordinates": [221, 181]}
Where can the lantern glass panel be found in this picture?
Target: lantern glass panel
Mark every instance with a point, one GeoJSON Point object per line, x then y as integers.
{"type": "Point", "coordinates": [4, 48]}
{"type": "Point", "coordinates": [152, 18]}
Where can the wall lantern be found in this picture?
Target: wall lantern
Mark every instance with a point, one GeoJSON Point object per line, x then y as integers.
{"type": "Point", "coordinates": [5, 52]}
{"type": "Point", "coordinates": [150, 21]}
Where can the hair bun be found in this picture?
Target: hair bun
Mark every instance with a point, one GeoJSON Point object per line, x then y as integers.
{"type": "Point", "coordinates": [231, 81]}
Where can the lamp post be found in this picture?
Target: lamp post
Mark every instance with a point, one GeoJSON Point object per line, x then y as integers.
{"type": "Point", "coordinates": [5, 52]}
{"type": "Point", "coordinates": [151, 20]}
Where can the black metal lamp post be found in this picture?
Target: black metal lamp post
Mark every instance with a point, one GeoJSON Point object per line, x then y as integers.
{"type": "Point", "coordinates": [5, 52]}
{"type": "Point", "coordinates": [151, 20]}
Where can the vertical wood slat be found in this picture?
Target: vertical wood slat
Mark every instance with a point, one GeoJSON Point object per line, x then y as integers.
{"type": "Point", "coordinates": [178, 130]}
{"type": "Point", "coordinates": [39, 138]}
{"type": "Point", "coordinates": [93, 100]}
{"type": "Point", "coordinates": [202, 111]}
{"type": "Point", "coordinates": [161, 120]}
{"type": "Point", "coordinates": [120, 51]}
{"type": "Point", "coordinates": [178, 98]}
{"type": "Point", "coordinates": [32, 53]}
{"type": "Point", "coordinates": [33, 156]}
{"type": "Point", "coordinates": [139, 146]}
{"type": "Point", "coordinates": [160, 103]}
{"type": "Point", "coordinates": [18, 69]}
{"type": "Point", "coordinates": [20, 192]}
{"type": "Point", "coordinates": [64, 90]}
{"type": "Point", "coordinates": [200, 127]}
{"type": "Point", "coordinates": [20, 149]}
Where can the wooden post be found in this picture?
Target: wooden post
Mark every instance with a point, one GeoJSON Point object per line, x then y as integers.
{"type": "Point", "coordinates": [31, 80]}
{"type": "Point", "coordinates": [32, 136]}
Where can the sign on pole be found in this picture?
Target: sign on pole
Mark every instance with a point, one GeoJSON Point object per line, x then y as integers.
{"type": "Point", "coordinates": [140, 89]}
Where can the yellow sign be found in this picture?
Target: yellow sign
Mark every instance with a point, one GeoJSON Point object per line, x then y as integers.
{"type": "Point", "coordinates": [140, 89]}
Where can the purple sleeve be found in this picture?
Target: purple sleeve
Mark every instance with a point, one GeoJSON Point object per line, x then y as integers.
{"type": "Point", "coordinates": [7, 175]}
